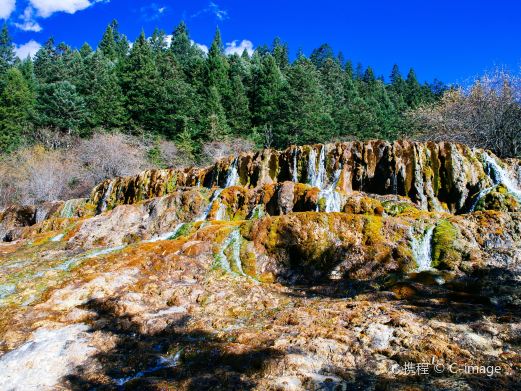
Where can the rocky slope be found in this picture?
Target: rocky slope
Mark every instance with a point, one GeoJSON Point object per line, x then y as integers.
{"type": "Point", "coordinates": [346, 266]}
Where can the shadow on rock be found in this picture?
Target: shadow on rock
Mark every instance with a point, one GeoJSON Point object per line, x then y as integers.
{"type": "Point", "coordinates": [175, 358]}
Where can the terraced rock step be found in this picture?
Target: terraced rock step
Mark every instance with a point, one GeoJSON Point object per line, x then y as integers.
{"type": "Point", "coordinates": [318, 267]}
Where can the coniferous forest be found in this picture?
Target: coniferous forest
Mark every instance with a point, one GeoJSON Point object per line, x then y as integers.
{"type": "Point", "coordinates": [166, 86]}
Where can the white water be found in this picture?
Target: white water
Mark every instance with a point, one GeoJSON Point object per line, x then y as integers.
{"type": "Point", "coordinates": [221, 212]}
{"type": "Point", "coordinates": [331, 195]}
{"type": "Point", "coordinates": [502, 177]}
{"type": "Point", "coordinates": [295, 167]}
{"type": "Point", "coordinates": [67, 265]}
{"type": "Point", "coordinates": [166, 235]}
{"type": "Point", "coordinates": [233, 175]}
{"type": "Point", "coordinates": [316, 175]}
{"type": "Point", "coordinates": [422, 250]}
{"type": "Point", "coordinates": [207, 210]}
{"type": "Point", "coordinates": [106, 196]}
{"type": "Point", "coordinates": [231, 263]}
{"type": "Point", "coordinates": [57, 238]}
{"type": "Point", "coordinates": [69, 207]}
{"type": "Point", "coordinates": [162, 363]}
{"type": "Point", "coordinates": [499, 176]}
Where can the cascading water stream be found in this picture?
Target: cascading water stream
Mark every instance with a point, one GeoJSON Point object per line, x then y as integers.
{"type": "Point", "coordinates": [207, 210]}
{"type": "Point", "coordinates": [233, 174]}
{"type": "Point", "coordinates": [422, 250]}
{"type": "Point", "coordinates": [104, 200]}
{"type": "Point", "coordinates": [316, 175]}
{"type": "Point", "coordinates": [333, 200]}
{"type": "Point", "coordinates": [295, 167]}
{"type": "Point", "coordinates": [498, 176]}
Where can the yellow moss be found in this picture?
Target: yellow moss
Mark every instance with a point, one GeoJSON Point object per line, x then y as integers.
{"type": "Point", "coordinates": [444, 255]}
{"type": "Point", "coordinates": [373, 230]}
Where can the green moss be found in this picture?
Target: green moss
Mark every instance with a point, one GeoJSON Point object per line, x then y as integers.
{"type": "Point", "coordinates": [444, 254]}
{"type": "Point", "coordinates": [393, 208]}
{"type": "Point", "coordinates": [185, 230]}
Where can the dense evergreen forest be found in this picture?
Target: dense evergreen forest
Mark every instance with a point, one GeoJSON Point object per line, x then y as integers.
{"type": "Point", "coordinates": [168, 87]}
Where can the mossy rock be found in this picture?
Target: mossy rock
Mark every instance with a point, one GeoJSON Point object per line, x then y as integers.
{"type": "Point", "coordinates": [499, 199]}
{"type": "Point", "coordinates": [444, 253]}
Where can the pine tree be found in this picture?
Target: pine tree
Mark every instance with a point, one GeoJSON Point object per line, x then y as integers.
{"type": "Point", "coordinates": [142, 86]}
{"type": "Point", "coordinates": [61, 107]}
{"type": "Point", "coordinates": [320, 55]}
{"type": "Point", "coordinates": [280, 52]}
{"type": "Point", "coordinates": [16, 103]}
{"type": "Point", "coordinates": [412, 90]}
{"type": "Point", "coordinates": [332, 81]}
{"type": "Point", "coordinates": [7, 55]}
{"type": "Point", "coordinates": [103, 95]}
{"type": "Point", "coordinates": [266, 90]}
{"type": "Point", "coordinates": [217, 66]}
{"type": "Point", "coordinates": [305, 116]}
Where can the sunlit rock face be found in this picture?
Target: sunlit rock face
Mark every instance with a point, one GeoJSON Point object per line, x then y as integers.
{"type": "Point", "coordinates": [317, 267]}
{"type": "Point", "coordinates": [439, 176]}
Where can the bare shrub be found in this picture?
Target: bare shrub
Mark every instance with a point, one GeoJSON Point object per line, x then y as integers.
{"type": "Point", "coordinates": [110, 155]}
{"type": "Point", "coordinates": [172, 156]}
{"type": "Point", "coordinates": [35, 175]}
{"type": "Point", "coordinates": [215, 150]}
{"type": "Point", "coordinates": [485, 115]}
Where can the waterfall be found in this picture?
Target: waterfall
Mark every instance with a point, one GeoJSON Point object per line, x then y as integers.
{"type": "Point", "coordinates": [316, 175]}
{"type": "Point", "coordinates": [233, 175]}
{"type": "Point", "coordinates": [166, 235]}
{"type": "Point", "coordinates": [331, 196]}
{"type": "Point", "coordinates": [231, 263]}
{"type": "Point", "coordinates": [295, 168]}
{"type": "Point", "coordinates": [221, 212]}
{"type": "Point", "coordinates": [422, 249]}
{"type": "Point", "coordinates": [106, 196]}
{"type": "Point", "coordinates": [499, 176]}
{"type": "Point", "coordinates": [207, 210]}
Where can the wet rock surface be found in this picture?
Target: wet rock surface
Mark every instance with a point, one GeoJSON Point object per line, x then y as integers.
{"type": "Point", "coordinates": [352, 269]}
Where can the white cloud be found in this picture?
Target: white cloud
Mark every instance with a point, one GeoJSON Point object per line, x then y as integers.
{"type": "Point", "coordinates": [28, 49]}
{"type": "Point", "coordinates": [6, 8]}
{"type": "Point", "coordinates": [46, 8]}
{"type": "Point", "coordinates": [203, 48]}
{"type": "Point", "coordinates": [28, 22]}
{"type": "Point", "coordinates": [232, 48]}
{"type": "Point", "coordinates": [214, 9]}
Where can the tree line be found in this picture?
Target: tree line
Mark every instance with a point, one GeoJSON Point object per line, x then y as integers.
{"type": "Point", "coordinates": [168, 87]}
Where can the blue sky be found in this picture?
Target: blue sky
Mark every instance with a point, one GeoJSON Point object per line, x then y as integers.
{"type": "Point", "coordinates": [450, 40]}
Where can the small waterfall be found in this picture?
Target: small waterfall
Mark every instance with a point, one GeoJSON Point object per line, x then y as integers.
{"type": "Point", "coordinates": [233, 174]}
{"type": "Point", "coordinates": [106, 195]}
{"type": "Point", "coordinates": [67, 265]}
{"type": "Point", "coordinates": [499, 176]}
{"type": "Point", "coordinates": [68, 209]}
{"type": "Point", "coordinates": [221, 212]}
{"type": "Point", "coordinates": [316, 175]}
{"type": "Point", "coordinates": [422, 249]}
{"type": "Point", "coordinates": [295, 167]}
{"type": "Point", "coordinates": [207, 210]}
{"type": "Point", "coordinates": [166, 235]}
{"type": "Point", "coordinates": [331, 196]}
{"type": "Point", "coordinates": [231, 263]}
